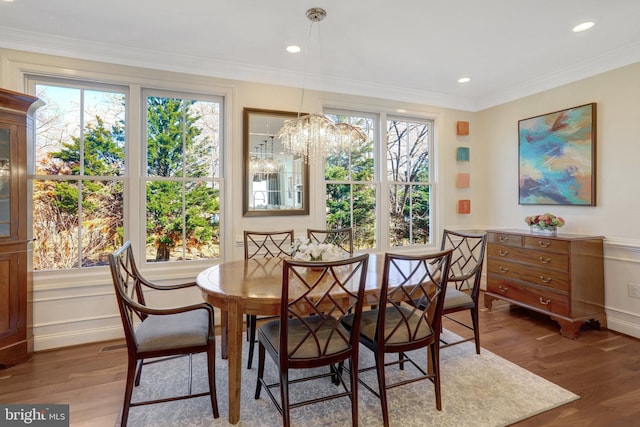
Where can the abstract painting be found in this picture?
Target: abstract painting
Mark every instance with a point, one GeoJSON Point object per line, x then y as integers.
{"type": "Point", "coordinates": [558, 157]}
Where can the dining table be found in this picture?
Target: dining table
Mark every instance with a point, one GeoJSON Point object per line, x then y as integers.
{"type": "Point", "coordinates": [254, 286]}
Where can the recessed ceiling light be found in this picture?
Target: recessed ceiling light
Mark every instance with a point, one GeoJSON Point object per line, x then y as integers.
{"type": "Point", "coordinates": [464, 80]}
{"type": "Point", "coordinates": [583, 27]}
{"type": "Point", "coordinates": [293, 49]}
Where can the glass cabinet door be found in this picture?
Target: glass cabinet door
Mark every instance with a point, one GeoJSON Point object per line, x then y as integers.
{"type": "Point", "coordinates": [5, 182]}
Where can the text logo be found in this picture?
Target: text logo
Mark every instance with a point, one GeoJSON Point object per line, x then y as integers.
{"type": "Point", "coordinates": [34, 415]}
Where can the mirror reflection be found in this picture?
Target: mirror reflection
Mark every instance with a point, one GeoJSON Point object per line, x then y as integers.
{"type": "Point", "coordinates": [275, 181]}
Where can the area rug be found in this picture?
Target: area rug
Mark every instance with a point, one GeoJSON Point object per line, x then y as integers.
{"type": "Point", "coordinates": [477, 390]}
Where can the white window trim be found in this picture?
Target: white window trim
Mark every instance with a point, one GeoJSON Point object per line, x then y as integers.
{"type": "Point", "coordinates": [19, 75]}
{"type": "Point", "coordinates": [383, 113]}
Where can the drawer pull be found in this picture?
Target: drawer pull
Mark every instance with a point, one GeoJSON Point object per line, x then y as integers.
{"type": "Point", "coordinates": [503, 239]}
{"type": "Point", "coordinates": [503, 289]}
{"type": "Point", "coordinates": [544, 260]}
{"type": "Point", "coordinates": [503, 269]}
{"type": "Point", "coordinates": [547, 280]}
{"type": "Point", "coordinates": [543, 244]}
{"type": "Point", "coordinates": [544, 302]}
{"type": "Point", "coordinates": [503, 253]}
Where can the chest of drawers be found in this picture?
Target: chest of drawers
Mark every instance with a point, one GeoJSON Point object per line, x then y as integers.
{"type": "Point", "coordinates": [561, 276]}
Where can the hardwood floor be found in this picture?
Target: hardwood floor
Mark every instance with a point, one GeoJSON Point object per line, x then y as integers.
{"type": "Point", "coordinates": [601, 366]}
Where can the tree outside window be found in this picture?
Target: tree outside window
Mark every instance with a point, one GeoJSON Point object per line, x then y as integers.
{"type": "Point", "coordinates": [182, 188]}
{"type": "Point", "coordinates": [80, 170]}
{"type": "Point", "coordinates": [350, 185]}
{"type": "Point", "coordinates": [408, 177]}
{"type": "Point", "coordinates": [78, 185]}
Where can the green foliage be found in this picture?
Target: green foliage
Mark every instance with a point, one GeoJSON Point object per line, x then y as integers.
{"type": "Point", "coordinates": [352, 205]}
{"type": "Point", "coordinates": [103, 151]}
{"type": "Point", "coordinates": [171, 141]}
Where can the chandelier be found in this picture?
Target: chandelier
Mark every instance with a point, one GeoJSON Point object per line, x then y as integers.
{"type": "Point", "coordinates": [314, 136]}
{"type": "Point", "coordinates": [263, 163]}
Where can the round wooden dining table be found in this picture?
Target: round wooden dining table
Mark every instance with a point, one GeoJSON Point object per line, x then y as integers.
{"type": "Point", "coordinates": [254, 286]}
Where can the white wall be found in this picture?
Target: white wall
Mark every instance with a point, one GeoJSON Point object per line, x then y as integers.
{"type": "Point", "coordinates": [617, 178]}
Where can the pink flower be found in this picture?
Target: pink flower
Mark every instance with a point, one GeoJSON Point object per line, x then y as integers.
{"type": "Point", "coordinates": [544, 220]}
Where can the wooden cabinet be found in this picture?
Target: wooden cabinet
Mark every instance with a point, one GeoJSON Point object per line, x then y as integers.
{"type": "Point", "coordinates": [16, 121]}
{"type": "Point", "coordinates": [562, 276]}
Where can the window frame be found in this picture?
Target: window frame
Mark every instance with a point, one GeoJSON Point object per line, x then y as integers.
{"type": "Point", "coordinates": [88, 276]}
{"type": "Point", "coordinates": [80, 178]}
{"type": "Point", "coordinates": [383, 185]}
{"type": "Point", "coordinates": [375, 182]}
{"type": "Point", "coordinates": [145, 178]}
{"type": "Point", "coordinates": [430, 183]}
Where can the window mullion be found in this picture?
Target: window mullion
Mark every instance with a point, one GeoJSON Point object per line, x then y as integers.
{"type": "Point", "coordinates": [80, 175]}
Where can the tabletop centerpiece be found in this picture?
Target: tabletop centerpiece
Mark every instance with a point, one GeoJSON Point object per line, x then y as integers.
{"type": "Point", "coordinates": [304, 249]}
{"type": "Point", "coordinates": [544, 224]}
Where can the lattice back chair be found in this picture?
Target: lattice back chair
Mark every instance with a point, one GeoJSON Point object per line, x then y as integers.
{"type": "Point", "coordinates": [267, 244]}
{"type": "Point", "coordinates": [263, 244]}
{"type": "Point", "coordinates": [158, 333]}
{"type": "Point", "coordinates": [465, 273]}
{"type": "Point", "coordinates": [398, 325]}
{"type": "Point", "coordinates": [341, 237]}
{"type": "Point", "coordinates": [309, 332]}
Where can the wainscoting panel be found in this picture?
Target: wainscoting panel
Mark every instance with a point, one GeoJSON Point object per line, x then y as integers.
{"type": "Point", "coordinates": [65, 316]}
{"type": "Point", "coordinates": [82, 314]}
{"type": "Point", "coordinates": [622, 271]}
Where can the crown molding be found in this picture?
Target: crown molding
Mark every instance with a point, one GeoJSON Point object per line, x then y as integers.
{"type": "Point", "coordinates": [611, 60]}
{"type": "Point", "coordinates": [17, 39]}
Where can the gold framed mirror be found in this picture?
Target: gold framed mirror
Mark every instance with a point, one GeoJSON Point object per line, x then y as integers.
{"type": "Point", "coordinates": [275, 182]}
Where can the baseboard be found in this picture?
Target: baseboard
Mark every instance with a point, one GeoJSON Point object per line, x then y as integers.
{"type": "Point", "coordinates": [625, 323]}
{"type": "Point", "coordinates": [46, 342]}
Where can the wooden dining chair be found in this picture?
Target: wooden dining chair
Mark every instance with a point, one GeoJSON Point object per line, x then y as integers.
{"type": "Point", "coordinates": [263, 244]}
{"type": "Point", "coordinates": [340, 237]}
{"type": "Point", "coordinates": [159, 332]}
{"type": "Point", "coordinates": [465, 273]}
{"type": "Point", "coordinates": [316, 295]}
{"type": "Point", "coordinates": [397, 327]}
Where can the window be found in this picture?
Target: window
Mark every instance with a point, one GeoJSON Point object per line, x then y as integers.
{"type": "Point", "coordinates": [88, 193]}
{"type": "Point", "coordinates": [351, 185]}
{"type": "Point", "coordinates": [79, 168]}
{"type": "Point", "coordinates": [182, 178]}
{"type": "Point", "coordinates": [351, 189]}
{"type": "Point", "coordinates": [408, 180]}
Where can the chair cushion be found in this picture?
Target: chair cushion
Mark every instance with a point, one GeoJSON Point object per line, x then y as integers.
{"type": "Point", "coordinates": [337, 335]}
{"type": "Point", "coordinates": [392, 318]}
{"type": "Point", "coordinates": [455, 298]}
{"type": "Point", "coordinates": [187, 329]}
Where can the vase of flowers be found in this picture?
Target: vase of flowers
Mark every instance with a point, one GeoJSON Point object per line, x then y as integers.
{"type": "Point", "coordinates": [304, 249]}
{"type": "Point", "coordinates": [544, 224]}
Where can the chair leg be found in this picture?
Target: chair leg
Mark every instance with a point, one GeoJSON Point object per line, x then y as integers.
{"type": "Point", "coordinates": [382, 388]}
{"type": "Point", "coordinates": [284, 397]}
{"type": "Point", "coordinates": [211, 365]}
{"type": "Point", "coordinates": [435, 362]}
{"type": "Point", "coordinates": [261, 354]}
{"type": "Point", "coordinates": [251, 336]}
{"type": "Point", "coordinates": [353, 369]}
{"type": "Point", "coordinates": [128, 392]}
{"type": "Point", "coordinates": [476, 330]}
{"type": "Point", "coordinates": [248, 322]}
{"type": "Point", "coordinates": [338, 372]}
{"type": "Point", "coordinates": [138, 371]}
